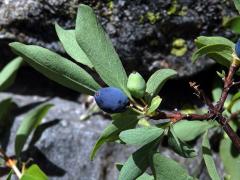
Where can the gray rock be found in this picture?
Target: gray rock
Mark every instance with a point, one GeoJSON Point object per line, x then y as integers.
{"type": "Point", "coordinates": [63, 148]}
{"type": "Point", "coordinates": [62, 144]}
{"type": "Point", "coordinates": [141, 31]}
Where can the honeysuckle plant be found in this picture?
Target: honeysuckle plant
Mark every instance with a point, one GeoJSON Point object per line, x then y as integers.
{"type": "Point", "coordinates": [31, 120]}
{"type": "Point", "coordinates": [134, 104]}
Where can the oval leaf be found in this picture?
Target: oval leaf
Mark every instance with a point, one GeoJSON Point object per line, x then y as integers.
{"type": "Point", "coordinates": [224, 59]}
{"type": "Point", "coordinates": [69, 42]}
{"type": "Point", "coordinates": [237, 5]}
{"type": "Point", "coordinates": [166, 168]}
{"type": "Point", "coordinates": [156, 82]}
{"type": "Point", "coordinates": [8, 73]}
{"type": "Point", "coordinates": [235, 107]}
{"type": "Point", "coordinates": [144, 176]}
{"type": "Point", "coordinates": [99, 49]}
{"type": "Point", "coordinates": [234, 100]}
{"type": "Point", "coordinates": [34, 173]}
{"type": "Point", "coordinates": [6, 106]}
{"type": "Point", "coordinates": [190, 130]}
{"type": "Point", "coordinates": [230, 158]}
{"type": "Point", "coordinates": [234, 24]}
{"type": "Point", "coordinates": [205, 41]}
{"type": "Point", "coordinates": [208, 158]}
{"type": "Point", "coordinates": [56, 68]}
{"type": "Point", "coordinates": [141, 136]}
{"type": "Point", "coordinates": [220, 49]}
{"type": "Point", "coordinates": [30, 121]}
{"type": "Point", "coordinates": [137, 163]}
{"type": "Point", "coordinates": [221, 58]}
{"type": "Point", "coordinates": [155, 103]}
{"type": "Point", "coordinates": [179, 146]}
{"type": "Point", "coordinates": [217, 90]}
{"type": "Point", "coordinates": [121, 122]}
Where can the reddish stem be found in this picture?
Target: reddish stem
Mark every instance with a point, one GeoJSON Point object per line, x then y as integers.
{"type": "Point", "coordinates": [177, 116]}
{"type": "Point", "coordinates": [228, 82]}
{"type": "Point", "coordinates": [215, 112]}
{"type": "Point", "coordinates": [230, 132]}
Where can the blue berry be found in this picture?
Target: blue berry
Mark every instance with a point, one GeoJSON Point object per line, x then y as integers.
{"type": "Point", "coordinates": [237, 48]}
{"type": "Point", "coordinates": [111, 99]}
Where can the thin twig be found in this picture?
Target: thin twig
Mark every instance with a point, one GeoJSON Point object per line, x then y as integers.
{"type": "Point", "coordinates": [236, 83]}
{"type": "Point", "coordinates": [230, 132]}
{"type": "Point", "coordinates": [227, 85]}
{"type": "Point", "coordinates": [177, 116]}
{"type": "Point", "coordinates": [215, 112]}
{"type": "Point", "coordinates": [200, 93]}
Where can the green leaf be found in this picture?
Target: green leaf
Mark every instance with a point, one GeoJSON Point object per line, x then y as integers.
{"type": "Point", "coordinates": [166, 168]}
{"type": "Point", "coordinates": [69, 42]}
{"type": "Point", "coordinates": [220, 49]}
{"type": "Point", "coordinates": [2, 162]}
{"type": "Point", "coordinates": [144, 176]}
{"type": "Point", "coordinates": [230, 158]}
{"type": "Point", "coordinates": [179, 146]}
{"type": "Point", "coordinates": [221, 58]}
{"type": "Point", "coordinates": [190, 130]}
{"type": "Point", "coordinates": [34, 173]}
{"type": "Point", "coordinates": [57, 68]}
{"type": "Point", "coordinates": [237, 4]}
{"type": "Point", "coordinates": [234, 99]}
{"type": "Point", "coordinates": [137, 163]}
{"type": "Point", "coordinates": [235, 107]}
{"type": "Point", "coordinates": [31, 120]}
{"type": "Point", "coordinates": [121, 122]}
{"type": "Point", "coordinates": [217, 90]}
{"type": "Point", "coordinates": [155, 103]}
{"type": "Point", "coordinates": [99, 49]}
{"type": "Point", "coordinates": [8, 73]}
{"type": "Point", "coordinates": [141, 136]}
{"type": "Point", "coordinates": [6, 106]}
{"type": "Point", "coordinates": [208, 158]}
{"type": "Point", "coordinates": [205, 41]}
{"type": "Point", "coordinates": [234, 24]}
{"type": "Point", "coordinates": [9, 177]}
{"type": "Point", "coordinates": [221, 74]}
{"type": "Point", "coordinates": [144, 122]}
{"type": "Point", "coordinates": [156, 82]}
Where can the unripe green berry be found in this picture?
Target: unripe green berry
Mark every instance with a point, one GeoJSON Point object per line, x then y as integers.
{"type": "Point", "coordinates": [136, 85]}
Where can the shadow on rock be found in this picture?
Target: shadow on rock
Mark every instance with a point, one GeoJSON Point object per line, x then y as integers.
{"type": "Point", "coordinates": [4, 171]}
{"type": "Point", "coordinates": [40, 129]}
{"type": "Point", "coordinates": [33, 153]}
{"type": "Point", "coordinates": [48, 167]}
{"type": "Point", "coordinates": [28, 107]}
{"type": "Point", "coordinates": [6, 122]}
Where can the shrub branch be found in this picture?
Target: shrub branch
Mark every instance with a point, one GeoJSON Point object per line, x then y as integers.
{"type": "Point", "coordinates": [214, 111]}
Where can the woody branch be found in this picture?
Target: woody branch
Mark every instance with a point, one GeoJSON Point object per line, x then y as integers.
{"type": "Point", "coordinates": [214, 111]}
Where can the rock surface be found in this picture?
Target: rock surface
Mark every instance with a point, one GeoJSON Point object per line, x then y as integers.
{"type": "Point", "coordinates": [143, 32]}
{"type": "Point", "coordinates": [63, 143]}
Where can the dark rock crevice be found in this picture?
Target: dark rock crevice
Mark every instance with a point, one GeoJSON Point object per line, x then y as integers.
{"type": "Point", "coordinates": [141, 31]}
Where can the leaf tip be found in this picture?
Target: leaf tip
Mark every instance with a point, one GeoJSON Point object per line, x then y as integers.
{"type": "Point", "coordinates": [13, 44]}
{"type": "Point", "coordinates": [92, 155]}
{"type": "Point", "coordinates": [57, 27]}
